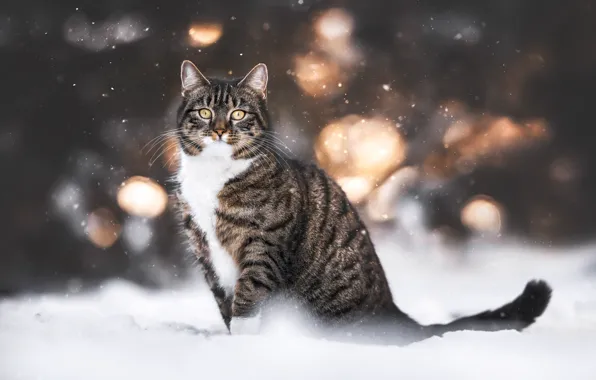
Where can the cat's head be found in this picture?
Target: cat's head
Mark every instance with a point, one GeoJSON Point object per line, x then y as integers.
{"type": "Point", "coordinates": [218, 115]}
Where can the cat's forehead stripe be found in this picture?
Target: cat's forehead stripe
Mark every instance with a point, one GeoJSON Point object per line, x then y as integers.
{"type": "Point", "coordinates": [219, 94]}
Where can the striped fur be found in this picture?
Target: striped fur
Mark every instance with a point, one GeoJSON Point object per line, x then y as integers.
{"type": "Point", "coordinates": [291, 230]}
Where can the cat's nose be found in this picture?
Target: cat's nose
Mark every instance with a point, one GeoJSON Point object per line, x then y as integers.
{"type": "Point", "coordinates": [219, 129]}
{"type": "Point", "coordinates": [218, 133]}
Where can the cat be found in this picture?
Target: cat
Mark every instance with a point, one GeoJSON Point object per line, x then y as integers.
{"type": "Point", "coordinates": [262, 225]}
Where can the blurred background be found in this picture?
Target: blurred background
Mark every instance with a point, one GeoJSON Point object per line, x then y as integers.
{"type": "Point", "coordinates": [444, 121]}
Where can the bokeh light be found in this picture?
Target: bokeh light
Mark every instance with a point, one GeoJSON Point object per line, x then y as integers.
{"type": "Point", "coordinates": [493, 135]}
{"type": "Point", "coordinates": [137, 234]}
{"type": "Point", "coordinates": [483, 214]}
{"type": "Point", "coordinates": [375, 147]}
{"type": "Point", "coordinates": [142, 196]}
{"type": "Point", "coordinates": [354, 147]}
{"type": "Point", "coordinates": [457, 132]}
{"type": "Point", "coordinates": [565, 170]}
{"type": "Point", "coordinates": [102, 228]}
{"type": "Point", "coordinates": [334, 24]}
{"type": "Point", "coordinates": [81, 32]}
{"type": "Point", "coordinates": [470, 141]}
{"type": "Point", "coordinates": [381, 204]}
{"type": "Point", "coordinates": [333, 39]}
{"type": "Point", "coordinates": [202, 35]}
{"type": "Point", "coordinates": [356, 188]}
{"type": "Point", "coordinates": [318, 76]}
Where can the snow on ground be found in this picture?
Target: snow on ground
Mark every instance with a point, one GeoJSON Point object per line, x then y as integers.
{"type": "Point", "coordinates": [125, 332]}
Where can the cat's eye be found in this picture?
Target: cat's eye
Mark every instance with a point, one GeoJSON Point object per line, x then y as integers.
{"type": "Point", "coordinates": [238, 115]}
{"type": "Point", "coordinates": [205, 113]}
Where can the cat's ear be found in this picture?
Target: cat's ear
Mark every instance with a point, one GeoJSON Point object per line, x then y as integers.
{"type": "Point", "coordinates": [256, 79]}
{"type": "Point", "coordinates": [191, 77]}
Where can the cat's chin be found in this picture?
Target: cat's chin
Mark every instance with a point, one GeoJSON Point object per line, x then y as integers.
{"type": "Point", "coordinates": [217, 149]}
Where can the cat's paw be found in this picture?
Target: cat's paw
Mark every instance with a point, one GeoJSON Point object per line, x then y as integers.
{"type": "Point", "coordinates": [245, 326]}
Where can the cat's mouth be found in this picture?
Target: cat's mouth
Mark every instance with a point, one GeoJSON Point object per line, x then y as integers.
{"type": "Point", "coordinates": [215, 142]}
{"type": "Point", "coordinates": [219, 145]}
{"type": "Point", "coordinates": [216, 148]}
{"type": "Point", "coordinates": [223, 145]}
{"type": "Point", "coordinates": [219, 135]}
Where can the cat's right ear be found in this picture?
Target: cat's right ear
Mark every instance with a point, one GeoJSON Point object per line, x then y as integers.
{"type": "Point", "coordinates": [191, 77]}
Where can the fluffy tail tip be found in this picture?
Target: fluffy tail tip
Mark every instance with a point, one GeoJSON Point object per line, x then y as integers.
{"type": "Point", "coordinates": [533, 301]}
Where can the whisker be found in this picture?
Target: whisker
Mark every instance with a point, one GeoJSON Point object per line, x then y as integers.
{"type": "Point", "coordinates": [280, 148]}
{"type": "Point", "coordinates": [278, 158]}
{"type": "Point", "coordinates": [158, 139]}
{"type": "Point", "coordinates": [159, 149]}
{"type": "Point", "coordinates": [174, 156]}
{"type": "Point", "coordinates": [271, 149]}
{"type": "Point", "coordinates": [278, 140]}
{"type": "Point", "coordinates": [272, 145]}
{"type": "Point", "coordinates": [263, 153]}
{"type": "Point", "coordinates": [152, 161]}
{"type": "Point", "coordinates": [252, 150]}
{"type": "Point", "coordinates": [166, 132]}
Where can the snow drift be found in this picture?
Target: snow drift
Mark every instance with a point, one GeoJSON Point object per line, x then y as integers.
{"type": "Point", "coordinates": [125, 332]}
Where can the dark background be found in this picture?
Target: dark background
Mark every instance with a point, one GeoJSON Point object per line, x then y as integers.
{"type": "Point", "coordinates": [79, 106]}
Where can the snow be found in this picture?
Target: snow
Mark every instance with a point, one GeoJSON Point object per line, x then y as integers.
{"type": "Point", "coordinates": [125, 332]}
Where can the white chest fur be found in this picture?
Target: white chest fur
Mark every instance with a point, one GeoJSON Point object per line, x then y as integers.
{"type": "Point", "coordinates": [201, 178]}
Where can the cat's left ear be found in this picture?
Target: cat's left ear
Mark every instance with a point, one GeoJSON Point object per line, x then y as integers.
{"type": "Point", "coordinates": [256, 79]}
{"type": "Point", "coordinates": [191, 77]}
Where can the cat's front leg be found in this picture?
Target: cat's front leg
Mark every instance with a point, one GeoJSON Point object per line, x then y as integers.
{"type": "Point", "coordinates": [262, 273]}
{"type": "Point", "coordinates": [200, 249]}
{"type": "Point", "coordinates": [224, 301]}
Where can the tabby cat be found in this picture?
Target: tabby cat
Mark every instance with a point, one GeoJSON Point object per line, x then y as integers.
{"type": "Point", "coordinates": [264, 226]}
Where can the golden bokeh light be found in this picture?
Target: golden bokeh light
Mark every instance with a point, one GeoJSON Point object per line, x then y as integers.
{"type": "Point", "coordinates": [375, 146]}
{"type": "Point", "coordinates": [537, 128]}
{"type": "Point", "coordinates": [368, 147]}
{"type": "Point", "coordinates": [102, 228]}
{"type": "Point", "coordinates": [497, 134]}
{"type": "Point", "coordinates": [344, 52]}
{"type": "Point", "coordinates": [472, 140]}
{"type": "Point", "coordinates": [202, 35]}
{"type": "Point", "coordinates": [143, 197]}
{"type": "Point", "coordinates": [381, 202]}
{"type": "Point", "coordinates": [483, 214]}
{"type": "Point", "coordinates": [362, 151]}
{"type": "Point", "coordinates": [504, 129]}
{"type": "Point", "coordinates": [317, 76]}
{"type": "Point", "coordinates": [334, 24]}
{"type": "Point", "coordinates": [456, 132]}
{"type": "Point", "coordinates": [439, 165]}
{"type": "Point", "coordinates": [356, 188]}
{"type": "Point", "coordinates": [332, 149]}
{"type": "Point", "coordinates": [333, 36]}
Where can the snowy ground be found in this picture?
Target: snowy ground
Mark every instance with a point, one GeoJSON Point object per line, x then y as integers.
{"type": "Point", "coordinates": [124, 332]}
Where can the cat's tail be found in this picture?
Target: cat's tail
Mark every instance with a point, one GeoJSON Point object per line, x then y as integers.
{"type": "Point", "coordinates": [516, 315]}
